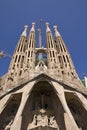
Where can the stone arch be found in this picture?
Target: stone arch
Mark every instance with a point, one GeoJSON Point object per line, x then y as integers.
{"type": "Point", "coordinates": [43, 101]}
{"type": "Point", "coordinates": [8, 114]}
{"type": "Point", "coordinates": [78, 111]}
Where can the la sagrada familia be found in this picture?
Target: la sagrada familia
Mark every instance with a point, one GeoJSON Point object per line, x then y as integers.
{"type": "Point", "coordinates": [41, 90]}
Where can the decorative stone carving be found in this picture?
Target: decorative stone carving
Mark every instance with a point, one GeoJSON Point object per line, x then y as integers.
{"type": "Point", "coordinates": [52, 122]}
{"type": "Point", "coordinates": [42, 119]}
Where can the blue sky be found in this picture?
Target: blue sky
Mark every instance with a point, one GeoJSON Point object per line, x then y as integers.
{"type": "Point", "coordinates": [69, 15]}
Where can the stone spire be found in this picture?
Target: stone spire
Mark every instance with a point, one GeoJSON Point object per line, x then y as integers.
{"type": "Point", "coordinates": [17, 62]}
{"type": "Point", "coordinates": [51, 51]}
{"type": "Point", "coordinates": [30, 49]}
{"type": "Point", "coordinates": [24, 33]}
{"type": "Point", "coordinates": [66, 65]}
{"type": "Point", "coordinates": [40, 39]}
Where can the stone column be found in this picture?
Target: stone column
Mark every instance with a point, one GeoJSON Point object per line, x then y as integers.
{"type": "Point", "coordinates": [18, 118]}
{"type": "Point", "coordinates": [60, 94]}
{"type": "Point", "coordinates": [3, 102]}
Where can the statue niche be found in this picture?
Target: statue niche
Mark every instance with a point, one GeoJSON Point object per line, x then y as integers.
{"type": "Point", "coordinates": [42, 113]}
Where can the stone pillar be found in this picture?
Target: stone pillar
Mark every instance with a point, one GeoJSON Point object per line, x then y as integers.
{"type": "Point", "coordinates": [3, 102]}
{"type": "Point", "coordinates": [18, 118]}
{"type": "Point", "coordinates": [60, 94]}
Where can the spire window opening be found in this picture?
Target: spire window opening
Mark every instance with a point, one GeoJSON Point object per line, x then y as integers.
{"type": "Point", "coordinates": [31, 53]}
{"type": "Point", "coordinates": [53, 54]}
{"type": "Point", "coordinates": [67, 58]}
{"type": "Point", "coordinates": [62, 72]}
{"type": "Point", "coordinates": [63, 45]}
{"type": "Point", "coordinates": [50, 54]}
{"type": "Point", "coordinates": [20, 73]}
{"type": "Point", "coordinates": [21, 47]}
{"type": "Point", "coordinates": [19, 58]}
{"type": "Point", "coordinates": [30, 43]}
{"type": "Point", "coordinates": [16, 58]}
{"type": "Point", "coordinates": [28, 53]}
{"type": "Point", "coordinates": [61, 62]}
{"type": "Point", "coordinates": [61, 48]}
{"type": "Point", "coordinates": [22, 61]}
{"type": "Point", "coordinates": [51, 43]}
{"type": "Point", "coordinates": [18, 48]}
{"type": "Point", "coordinates": [54, 60]}
{"type": "Point", "coordinates": [57, 47]}
{"type": "Point", "coordinates": [70, 66]}
{"type": "Point", "coordinates": [24, 48]}
{"type": "Point", "coordinates": [64, 59]}
{"type": "Point", "coordinates": [72, 73]}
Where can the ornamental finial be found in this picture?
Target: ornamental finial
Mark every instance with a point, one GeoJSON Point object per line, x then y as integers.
{"type": "Point", "coordinates": [24, 33]}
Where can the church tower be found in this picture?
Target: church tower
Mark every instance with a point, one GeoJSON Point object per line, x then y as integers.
{"type": "Point", "coordinates": [42, 93]}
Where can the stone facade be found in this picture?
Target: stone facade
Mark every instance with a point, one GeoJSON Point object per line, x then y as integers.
{"type": "Point", "coordinates": [42, 92]}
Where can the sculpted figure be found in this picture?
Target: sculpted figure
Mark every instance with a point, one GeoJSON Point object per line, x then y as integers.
{"type": "Point", "coordinates": [44, 120]}
{"type": "Point", "coordinates": [52, 122]}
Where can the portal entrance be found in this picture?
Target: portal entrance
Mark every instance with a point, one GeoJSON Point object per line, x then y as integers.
{"type": "Point", "coordinates": [43, 109]}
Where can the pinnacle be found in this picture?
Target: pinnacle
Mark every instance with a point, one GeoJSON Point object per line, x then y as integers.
{"type": "Point", "coordinates": [24, 33]}
{"type": "Point", "coordinates": [47, 25]}
{"type": "Point", "coordinates": [56, 31]}
{"type": "Point", "coordinates": [33, 27]}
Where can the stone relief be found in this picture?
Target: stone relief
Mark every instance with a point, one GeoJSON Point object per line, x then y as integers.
{"type": "Point", "coordinates": [43, 119]}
